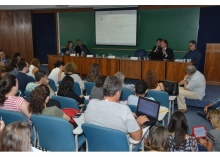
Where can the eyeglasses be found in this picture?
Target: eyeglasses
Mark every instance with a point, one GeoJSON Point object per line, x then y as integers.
{"type": "Point", "coordinates": [190, 45]}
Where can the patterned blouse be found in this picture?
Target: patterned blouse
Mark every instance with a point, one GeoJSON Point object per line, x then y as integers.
{"type": "Point", "coordinates": [190, 146]}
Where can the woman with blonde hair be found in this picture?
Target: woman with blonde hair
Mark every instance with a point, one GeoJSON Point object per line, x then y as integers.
{"type": "Point", "coordinates": [71, 69]}
{"type": "Point", "coordinates": [94, 73]}
{"type": "Point", "coordinates": [16, 137]}
{"type": "Point", "coordinates": [158, 139]}
{"type": "Point", "coordinates": [212, 141]}
{"type": "Point", "coordinates": [152, 81]}
{"type": "Point", "coordinates": [34, 66]}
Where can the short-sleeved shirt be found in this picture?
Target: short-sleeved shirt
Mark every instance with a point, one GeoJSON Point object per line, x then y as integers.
{"type": "Point", "coordinates": [197, 84]}
{"type": "Point", "coordinates": [13, 103]}
{"type": "Point", "coordinates": [214, 137]}
{"type": "Point", "coordinates": [111, 115]}
{"type": "Point", "coordinates": [190, 146]}
{"type": "Point", "coordinates": [54, 74]}
{"type": "Point", "coordinates": [30, 86]}
{"type": "Point", "coordinates": [76, 78]}
{"type": "Point", "coordinates": [53, 111]}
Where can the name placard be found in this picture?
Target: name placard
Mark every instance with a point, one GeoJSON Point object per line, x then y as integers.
{"type": "Point", "coordinates": [134, 58]}
{"type": "Point", "coordinates": [111, 56]}
{"type": "Point", "coordinates": [72, 54]}
{"type": "Point", "coordinates": [89, 56]}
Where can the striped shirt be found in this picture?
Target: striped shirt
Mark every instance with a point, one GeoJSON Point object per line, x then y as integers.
{"type": "Point", "coordinates": [13, 103]}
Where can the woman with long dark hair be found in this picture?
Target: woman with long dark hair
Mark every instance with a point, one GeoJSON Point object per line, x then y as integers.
{"type": "Point", "coordinates": [94, 73]}
{"type": "Point", "coordinates": [66, 90]}
{"type": "Point", "coordinates": [179, 139]}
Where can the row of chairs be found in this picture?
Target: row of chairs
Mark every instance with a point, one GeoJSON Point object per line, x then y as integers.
{"type": "Point", "coordinates": [56, 134]}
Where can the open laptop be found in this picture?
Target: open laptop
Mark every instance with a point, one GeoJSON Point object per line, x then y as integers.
{"type": "Point", "coordinates": [149, 108]}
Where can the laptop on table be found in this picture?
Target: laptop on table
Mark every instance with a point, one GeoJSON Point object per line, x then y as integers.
{"type": "Point", "coordinates": [150, 109]}
{"type": "Point", "coordinates": [157, 56]}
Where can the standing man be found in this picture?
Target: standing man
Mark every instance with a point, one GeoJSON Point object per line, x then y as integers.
{"type": "Point", "coordinates": [194, 87]}
{"type": "Point", "coordinates": [81, 48]}
{"type": "Point", "coordinates": [109, 113]}
{"type": "Point", "coordinates": [22, 77]}
{"type": "Point", "coordinates": [193, 54]}
{"type": "Point", "coordinates": [167, 52]}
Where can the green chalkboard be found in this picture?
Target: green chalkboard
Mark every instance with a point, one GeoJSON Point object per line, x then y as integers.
{"type": "Point", "coordinates": [178, 26]}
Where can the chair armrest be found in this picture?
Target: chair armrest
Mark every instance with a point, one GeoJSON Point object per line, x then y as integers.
{"type": "Point", "coordinates": [144, 133]}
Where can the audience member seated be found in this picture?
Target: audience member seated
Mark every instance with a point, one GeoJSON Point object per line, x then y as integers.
{"type": "Point", "coordinates": [156, 49]}
{"type": "Point", "coordinates": [152, 81]}
{"type": "Point", "coordinates": [34, 66]}
{"type": "Point", "coordinates": [22, 77]}
{"type": "Point", "coordinates": [157, 139]}
{"type": "Point", "coordinates": [8, 100]}
{"type": "Point", "coordinates": [121, 76]}
{"type": "Point", "coordinates": [179, 139]}
{"type": "Point", "coordinates": [57, 71]}
{"type": "Point", "coordinates": [40, 78]}
{"type": "Point", "coordinates": [94, 73]}
{"type": "Point", "coordinates": [214, 104]}
{"type": "Point", "coordinates": [66, 90]}
{"type": "Point", "coordinates": [4, 59]}
{"type": "Point", "coordinates": [167, 52]}
{"type": "Point", "coordinates": [71, 69]}
{"type": "Point", "coordinates": [109, 113]}
{"type": "Point", "coordinates": [193, 54]}
{"type": "Point", "coordinates": [212, 141]}
{"type": "Point", "coordinates": [3, 71]}
{"type": "Point", "coordinates": [18, 56]}
{"type": "Point", "coordinates": [70, 48]}
{"type": "Point", "coordinates": [80, 47]}
{"type": "Point", "coordinates": [12, 67]}
{"type": "Point", "coordinates": [140, 90]}
{"type": "Point", "coordinates": [194, 87]}
{"type": "Point", "coordinates": [97, 90]}
{"type": "Point", "coordinates": [15, 137]}
{"type": "Point", "coordinates": [38, 103]}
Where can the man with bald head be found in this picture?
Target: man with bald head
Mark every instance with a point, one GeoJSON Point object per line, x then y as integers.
{"type": "Point", "coordinates": [194, 85]}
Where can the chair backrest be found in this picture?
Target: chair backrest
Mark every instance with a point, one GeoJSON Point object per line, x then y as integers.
{"type": "Point", "coordinates": [27, 94]}
{"type": "Point", "coordinates": [52, 84]}
{"type": "Point", "coordinates": [66, 102]}
{"type": "Point", "coordinates": [140, 53]}
{"type": "Point", "coordinates": [13, 116]}
{"type": "Point", "coordinates": [88, 87]}
{"type": "Point", "coordinates": [76, 88]}
{"type": "Point", "coordinates": [133, 108]}
{"type": "Point", "coordinates": [160, 96]}
{"type": "Point", "coordinates": [54, 134]}
{"type": "Point", "coordinates": [63, 50]}
{"type": "Point", "coordinates": [125, 93]}
{"type": "Point", "coordinates": [104, 139]}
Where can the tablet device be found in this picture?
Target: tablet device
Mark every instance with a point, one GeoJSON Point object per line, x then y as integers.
{"type": "Point", "coordinates": [199, 131]}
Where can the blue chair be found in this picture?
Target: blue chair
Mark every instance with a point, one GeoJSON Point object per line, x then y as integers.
{"type": "Point", "coordinates": [88, 87]}
{"type": "Point", "coordinates": [56, 134]}
{"type": "Point", "coordinates": [52, 84]}
{"type": "Point", "coordinates": [13, 116]}
{"type": "Point", "coordinates": [76, 88]}
{"type": "Point", "coordinates": [161, 97]}
{"type": "Point", "coordinates": [100, 138]}
{"type": "Point", "coordinates": [66, 102]}
{"type": "Point", "coordinates": [125, 93]}
{"type": "Point", "coordinates": [63, 50]}
{"type": "Point", "coordinates": [27, 95]}
{"type": "Point", "coordinates": [140, 53]}
{"type": "Point", "coordinates": [133, 108]}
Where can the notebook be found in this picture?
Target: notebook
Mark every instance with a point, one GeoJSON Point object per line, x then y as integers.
{"type": "Point", "coordinates": [149, 108]}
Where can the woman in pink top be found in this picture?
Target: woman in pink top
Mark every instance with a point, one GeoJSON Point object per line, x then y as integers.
{"type": "Point", "coordinates": [8, 100]}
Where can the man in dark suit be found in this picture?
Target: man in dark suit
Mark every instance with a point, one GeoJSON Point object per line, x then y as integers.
{"type": "Point", "coordinates": [81, 48]}
{"type": "Point", "coordinates": [156, 52]}
{"type": "Point", "coordinates": [167, 52]}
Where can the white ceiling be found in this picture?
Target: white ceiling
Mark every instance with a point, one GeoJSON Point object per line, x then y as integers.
{"type": "Point", "coordinates": [43, 7]}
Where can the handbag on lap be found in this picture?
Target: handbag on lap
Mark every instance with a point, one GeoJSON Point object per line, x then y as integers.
{"type": "Point", "coordinates": [171, 87]}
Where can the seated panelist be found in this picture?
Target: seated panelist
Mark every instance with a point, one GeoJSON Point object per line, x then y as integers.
{"type": "Point", "coordinates": [167, 52]}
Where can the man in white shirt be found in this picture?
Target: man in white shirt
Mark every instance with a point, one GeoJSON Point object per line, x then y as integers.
{"type": "Point", "coordinates": [109, 113]}
{"type": "Point", "coordinates": [194, 87]}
